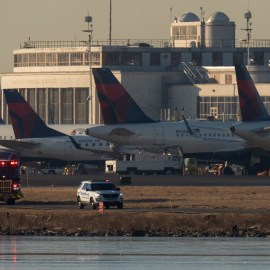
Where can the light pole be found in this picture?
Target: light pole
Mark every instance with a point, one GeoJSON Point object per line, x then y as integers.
{"type": "Point", "coordinates": [110, 32]}
{"type": "Point", "coordinates": [248, 16]}
{"type": "Point", "coordinates": [88, 20]}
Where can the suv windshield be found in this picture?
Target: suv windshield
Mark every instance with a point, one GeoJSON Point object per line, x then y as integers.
{"type": "Point", "coordinates": [102, 186]}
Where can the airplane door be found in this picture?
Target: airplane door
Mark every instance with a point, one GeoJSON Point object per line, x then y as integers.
{"type": "Point", "coordinates": [159, 136]}
{"type": "Point", "coordinates": [68, 148]}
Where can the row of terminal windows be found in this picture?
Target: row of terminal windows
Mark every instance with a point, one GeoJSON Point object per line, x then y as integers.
{"type": "Point", "coordinates": [226, 108]}
{"type": "Point", "coordinates": [56, 59]}
{"type": "Point", "coordinates": [122, 59]}
{"type": "Point", "coordinates": [57, 105]}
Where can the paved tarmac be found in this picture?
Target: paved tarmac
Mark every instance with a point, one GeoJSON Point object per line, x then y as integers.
{"type": "Point", "coordinates": [147, 180]}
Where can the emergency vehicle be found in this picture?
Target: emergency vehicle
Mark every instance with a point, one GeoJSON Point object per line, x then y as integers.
{"type": "Point", "coordinates": [10, 190]}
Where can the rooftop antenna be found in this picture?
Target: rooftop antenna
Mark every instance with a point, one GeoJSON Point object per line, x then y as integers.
{"type": "Point", "coordinates": [110, 32]}
{"type": "Point", "coordinates": [248, 29]}
{"type": "Point", "coordinates": [202, 14]}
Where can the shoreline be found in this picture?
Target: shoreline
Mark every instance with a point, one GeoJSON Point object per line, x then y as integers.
{"type": "Point", "coordinates": [131, 224]}
{"type": "Point", "coordinates": [154, 207]}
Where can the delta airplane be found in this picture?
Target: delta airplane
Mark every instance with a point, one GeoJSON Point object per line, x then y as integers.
{"type": "Point", "coordinates": [34, 139]}
{"type": "Point", "coordinates": [127, 125]}
{"type": "Point", "coordinates": [255, 125]}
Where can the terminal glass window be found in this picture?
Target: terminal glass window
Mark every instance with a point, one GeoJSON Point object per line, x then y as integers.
{"type": "Point", "coordinates": [17, 60]}
{"type": "Point", "coordinates": [111, 59]}
{"type": "Point", "coordinates": [63, 59]}
{"type": "Point", "coordinates": [40, 59]}
{"type": "Point", "coordinates": [32, 98]}
{"type": "Point", "coordinates": [81, 106]}
{"type": "Point", "coordinates": [238, 58]}
{"type": "Point", "coordinates": [53, 106]}
{"type": "Point", "coordinates": [217, 59]}
{"type": "Point", "coordinates": [196, 59]}
{"type": "Point", "coordinates": [266, 101]}
{"type": "Point", "coordinates": [176, 32]}
{"type": "Point", "coordinates": [76, 59]}
{"type": "Point", "coordinates": [25, 60]}
{"type": "Point", "coordinates": [131, 59]}
{"type": "Point", "coordinates": [67, 106]}
{"type": "Point", "coordinates": [32, 59]}
{"type": "Point", "coordinates": [41, 103]}
{"type": "Point", "coordinates": [50, 59]}
{"type": "Point", "coordinates": [155, 59]}
{"type": "Point", "coordinates": [258, 58]}
{"type": "Point", "coordinates": [220, 107]}
{"type": "Point", "coordinates": [228, 79]}
{"type": "Point", "coordinates": [122, 59]}
{"type": "Point", "coordinates": [95, 58]}
{"type": "Point", "coordinates": [175, 58]}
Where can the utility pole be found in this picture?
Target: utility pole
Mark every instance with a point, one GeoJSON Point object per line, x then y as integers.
{"type": "Point", "coordinates": [110, 32]}
{"type": "Point", "coordinates": [248, 29]}
{"type": "Point", "coordinates": [88, 20]}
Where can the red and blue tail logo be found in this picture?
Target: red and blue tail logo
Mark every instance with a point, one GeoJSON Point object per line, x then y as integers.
{"type": "Point", "coordinates": [25, 122]}
{"type": "Point", "coordinates": [117, 106]}
{"type": "Point", "coordinates": [251, 105]}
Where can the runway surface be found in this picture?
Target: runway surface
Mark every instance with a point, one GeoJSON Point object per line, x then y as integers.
{"type": "Point", "coordinates": [147, 180]}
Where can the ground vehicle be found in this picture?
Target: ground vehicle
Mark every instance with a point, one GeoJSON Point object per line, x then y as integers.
{"type": "Point", "coordinates": [9, 178]}
{"type": "Point", "coordinates": [92, 192]}
{"type": "Point", "coordinates": [145, 163]}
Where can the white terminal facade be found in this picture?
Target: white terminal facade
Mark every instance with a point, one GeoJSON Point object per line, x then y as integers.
{"type": "Point", "coordinates": [191, 70]}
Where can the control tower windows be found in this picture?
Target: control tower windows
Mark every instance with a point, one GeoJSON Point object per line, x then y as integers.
{"type": "Point", "coordinates": [122, 59]}
{"type": "Point", "coordinates": [63, 59]}
{"type": "Point", "coordinates": [76, 59]}
{"type": "Point", "coordinates": [50, 59]}
{"type": "Point", "coordinates": [238, 58]}
{"type": "Point", "coordinates": [41, 59]}
{"type": "Point", "coordinates": [32, 59]}
{"type": "Point", "coordinates": [217, 59]}
{"type": "Point", "coordinates": [196, 59]}
{"type": "Point", "coordinates": [155, 59]}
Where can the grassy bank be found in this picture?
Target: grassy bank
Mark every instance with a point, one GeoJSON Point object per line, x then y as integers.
{"type": "Point", "coordinates": [167, 211]}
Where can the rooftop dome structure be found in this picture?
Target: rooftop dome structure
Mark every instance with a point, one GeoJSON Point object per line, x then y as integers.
{"type": "Point", "coordinates": [218, 17]}
{"type": "Point", "coordinates": [189, 17]}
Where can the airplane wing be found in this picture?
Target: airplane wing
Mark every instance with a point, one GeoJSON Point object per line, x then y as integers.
{"type": "Point", "coordinates": [18, 145]}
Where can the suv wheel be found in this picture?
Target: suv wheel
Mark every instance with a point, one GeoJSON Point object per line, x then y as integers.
{"type": "Point", "coordinates": [81, 206]}
{"type": "Point", "coordinates": [120, 205]}
{"type": "Point", "coordinates": [92, 203]}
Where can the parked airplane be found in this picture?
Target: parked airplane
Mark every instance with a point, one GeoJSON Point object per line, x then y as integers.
{"type": "Point", "coordinates": [35, 139]}
{"type": "Point", "coordinates": [143, 133]}
{"type": "Point", "coordinates": [255, 125]}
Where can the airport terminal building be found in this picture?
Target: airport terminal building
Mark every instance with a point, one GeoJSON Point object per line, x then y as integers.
{"type": "Point", "coordinates": [193, 70]}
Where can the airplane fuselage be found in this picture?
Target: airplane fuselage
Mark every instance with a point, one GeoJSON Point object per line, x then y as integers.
{"type": "Point", "coordinates": [257, 134]}
{"type": "Point", "coordinates": [209, 137]}
{"type": "Point", "coordinates": [68, 148]}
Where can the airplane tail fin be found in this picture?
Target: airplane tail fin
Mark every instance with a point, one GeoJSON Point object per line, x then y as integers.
{"type": "Point", "coordinates": [25, 121]}
{"type": "Point", "coordinates": [251, 105]}
{"type": "Point", "coordinates": [117, 106]}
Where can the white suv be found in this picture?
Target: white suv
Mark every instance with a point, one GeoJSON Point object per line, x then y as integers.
{"type": "Point", "coordinates": [92, 192]}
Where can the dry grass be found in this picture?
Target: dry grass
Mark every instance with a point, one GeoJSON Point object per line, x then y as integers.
{"type": "Point", "coordinates": [238, 198]}
{"type": "Point", "coordinates": [72, 221]}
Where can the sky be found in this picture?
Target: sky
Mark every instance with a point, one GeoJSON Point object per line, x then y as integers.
{"type": "Point", "coordinates": [58, 20]}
